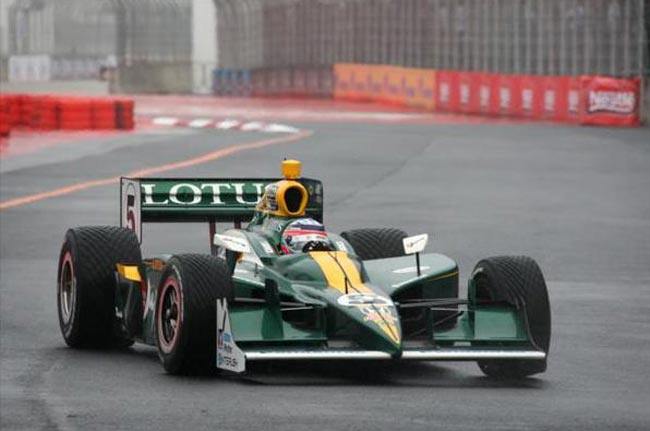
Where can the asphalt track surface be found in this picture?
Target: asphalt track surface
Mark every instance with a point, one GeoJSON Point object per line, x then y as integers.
{"type": "Point", "coordinates": [575, 199]}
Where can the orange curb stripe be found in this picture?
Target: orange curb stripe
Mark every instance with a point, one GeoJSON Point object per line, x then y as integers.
{"type": "Point", "coordinates": [218, 154]}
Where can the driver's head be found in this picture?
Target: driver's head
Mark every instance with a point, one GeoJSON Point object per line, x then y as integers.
{"type": "Point", "coordinates": [304, 235]}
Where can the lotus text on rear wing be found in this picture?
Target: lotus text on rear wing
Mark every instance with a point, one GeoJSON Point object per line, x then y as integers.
{"type": "Point", "coordinates": [203, 193]}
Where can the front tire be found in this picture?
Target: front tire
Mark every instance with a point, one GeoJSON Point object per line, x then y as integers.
{"type": "Point", "coordinates": [86, 283]}
{"type": "Point", "coordinates": [186, 312]}
{"type": "Point", "coordinates": [372, 243]}
{"type": "Point", "coordinates": [518, 281]}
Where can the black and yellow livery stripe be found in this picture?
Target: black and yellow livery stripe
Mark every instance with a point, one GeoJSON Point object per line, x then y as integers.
{"type": "Point", "coordinates": [336, 266]}
{"type": "Point", "coordinates": [343, 275]}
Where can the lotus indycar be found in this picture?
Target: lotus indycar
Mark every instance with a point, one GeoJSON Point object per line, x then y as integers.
{"type": "Point", "coordinates": [283, 288]}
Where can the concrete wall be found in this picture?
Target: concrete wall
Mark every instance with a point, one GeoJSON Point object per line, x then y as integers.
{"type": "Point", "coordinates": [204, 45]}
{"type": "Point", "coordinates": [155, 78]}
{"type": "Point", "coordinates": [645, 101]}
{"type": "Point", "coordinates": [4, 37]}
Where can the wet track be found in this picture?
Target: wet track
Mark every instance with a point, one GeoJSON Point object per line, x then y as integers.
{"type": "Point", "coordinates": [575, 199]}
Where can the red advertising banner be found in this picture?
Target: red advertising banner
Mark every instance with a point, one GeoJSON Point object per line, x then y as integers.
{"type": "Point", "coordinates": [586, 100]}
{"type": "Point", "coordinates": [445, 82]}
{"type": "Point", "coordinates": [509, 88]}
{"type": "Point", "coordinates": [609, 101]}
{"type": "Point", "coordinates": [573, 99]}
{"type": "Point", "coordinates": [343, 81]}
{"type": "Point", "coordinates": [466, 95]}
{"type": "Point", "coordinates": [419, 88]}
{"type": "Point", "coordinates": [561, 108]}
{"type": "Point", "coordinates": [485, 93]}
{"type": "Point", "coordinates": [375, 83]}
{"type": "Point", "coordinates": [549, 88]}
{"type": "Point", "coordinates": [531, 96]}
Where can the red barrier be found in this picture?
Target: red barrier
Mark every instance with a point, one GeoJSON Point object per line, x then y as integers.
{"type": "Point", "coordinates": [609, 101]}
{"type": "Point", "coordinates": [46, 112]}
{"type": "Point", "coordinates": [588, 100]}
{"type": "Point", "coordinates": [5, 125]}
{"type": "Point", "coordinates": [465, 92]}
{"type": "Point", "coordinates": [26, 110]}
{"type": "Point", "coordinates": [124, 114]}
{"type": "Point", "coordinates": [75, 114]}
{"type": "Point", "coordinates": [375, 79]}
{"type": "Point", "coordinates": [550, 98]}
{"type": "Point", "coordinates": [488, 100]}
{"type": "Point", "coordinates": [444, 88]}
{"type": "Point", "coordinates": [573, 99]}
{"type": "Point", "coordinates": [103, 114]}
{"type": "Point", "coordinates": [531, 93]}
{"type": "Point", "coordinates": [550, 90]}
{"type": "Point", "coordinates": [13, 109]}
{"type": "Point", "coordinates": [508, 104]}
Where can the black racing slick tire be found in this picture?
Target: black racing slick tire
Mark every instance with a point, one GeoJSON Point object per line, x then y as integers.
{"type": "Point", "coordinates": [86, 284]}
{"type": "Point", "coordinates": [518, 281]}
{"type": "Point", "coordinates": [186, 312]}
{"type": "Point", "coordinates": [371, 243]}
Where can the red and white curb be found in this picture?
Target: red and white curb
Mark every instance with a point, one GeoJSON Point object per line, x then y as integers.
{"type": "Point", "coordinates": [226, 124]}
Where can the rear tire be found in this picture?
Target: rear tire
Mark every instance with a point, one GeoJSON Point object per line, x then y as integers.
{"type": "Point", "coordinates": [519, 281]}
{"type": "Point", "coordinates": [369, 244]}
{"type": "Point", "coordinates": [86, 284]}
{"type": "Point", "coordinates": [186, 327]}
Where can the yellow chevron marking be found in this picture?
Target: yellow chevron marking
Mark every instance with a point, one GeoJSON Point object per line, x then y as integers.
{"type": "Point", "coordinates": [336, 265]}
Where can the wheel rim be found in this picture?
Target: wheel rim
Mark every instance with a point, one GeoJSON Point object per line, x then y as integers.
{"type": "Point", "coordinates": [67, 289]}
{"type": "Point", "coordinates": [169, 314]}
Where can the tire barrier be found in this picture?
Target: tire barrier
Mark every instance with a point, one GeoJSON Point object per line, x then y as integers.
{"type": "Point", "coordinates": [75, 114]}
{"type": "Point", "coordinates": [124, 114]}
{"type": "Point", "coordinates": [54, 112]}
{"type": "Point", "coordinates": [44, 113]}
{"type": "Point", "coordinates": [589, 100]}
{"type": "Point", "coordinates": [5, 127]}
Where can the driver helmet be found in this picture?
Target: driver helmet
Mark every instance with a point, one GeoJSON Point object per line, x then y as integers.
{"type": "Point", "coordinates": [304, 235]}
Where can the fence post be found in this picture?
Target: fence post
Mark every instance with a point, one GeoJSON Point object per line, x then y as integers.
{"type": "Point", "coordinates": [642, 48]}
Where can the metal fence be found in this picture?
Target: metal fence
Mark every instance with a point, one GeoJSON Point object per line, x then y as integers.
{"type": "Point", "coordinates": [81, 36]}
{"type": "Point", "coordinates": [153, 38]}
{"type": "Point", "coordinates": [546, 37]}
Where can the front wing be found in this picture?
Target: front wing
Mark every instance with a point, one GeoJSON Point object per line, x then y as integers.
{"type": "Point", "coordinates": [232, 357]}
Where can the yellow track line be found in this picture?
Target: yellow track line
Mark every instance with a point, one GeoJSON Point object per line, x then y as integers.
{"type": "Point", "coordinates": [209, 157]}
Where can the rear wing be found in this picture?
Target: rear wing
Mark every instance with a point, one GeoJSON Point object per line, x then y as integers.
{"type": "Point", "coordinates": [200, 200]}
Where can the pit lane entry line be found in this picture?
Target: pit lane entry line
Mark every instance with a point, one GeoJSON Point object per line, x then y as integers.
{"type": "Point", "coordinates": [209, 157]}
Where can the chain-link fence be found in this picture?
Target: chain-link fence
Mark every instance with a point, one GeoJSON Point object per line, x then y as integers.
{"type": "Point", "coordinates": [77, 36]}
{"type": "Point", "coordinates": [147, 42]}
{"type": "Point", "coordinates": [545, 37]}
{"type": "Point", "coordinates": [151, 40]}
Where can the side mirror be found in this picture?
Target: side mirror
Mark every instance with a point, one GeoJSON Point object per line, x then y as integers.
{"type": "Point", "coordinates": [415, 244]}
{"type": "Point", "coordinates": [232, 243]}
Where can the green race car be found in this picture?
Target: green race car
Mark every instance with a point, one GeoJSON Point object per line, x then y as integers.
{"type": "Point", "coordinates": [283, 288]}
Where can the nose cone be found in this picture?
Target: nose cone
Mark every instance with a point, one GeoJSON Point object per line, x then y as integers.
{"type": "Point", "coordinates": [379, 327]}
{"type": "Point", "coordinates": [377, 322]}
